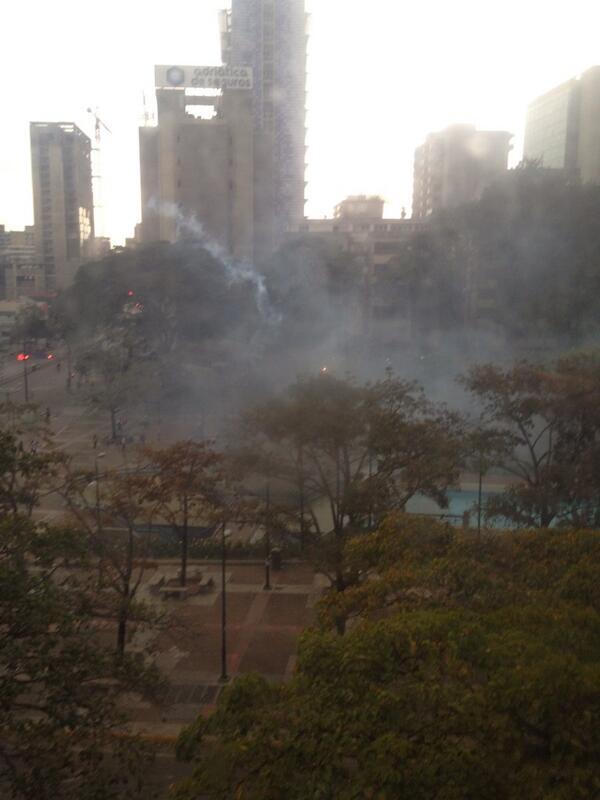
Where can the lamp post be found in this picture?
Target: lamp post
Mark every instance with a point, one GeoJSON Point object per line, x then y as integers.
{"type": "Point", "coordinates": [479, 495]}
{"type": "Point", "coordinates": [267, 586]}
{"type": "Point", "coordinates": [97, 475]}
{"type": "Point", "coordinates": [25, 380]}
{"type": "Point", "coordinates": [24, 356]}
{"type": "Point", "coordinates": [224, 676]}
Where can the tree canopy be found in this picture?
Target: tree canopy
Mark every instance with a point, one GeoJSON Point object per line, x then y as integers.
{"type": "Point", "coordinates": [547, 432]}
{"type": "Point", "coordinates": [344, 454]}
{"type": "Point", "coordinates": [61, 729]}
{"type": "Point", "coordinates": [470, 671]}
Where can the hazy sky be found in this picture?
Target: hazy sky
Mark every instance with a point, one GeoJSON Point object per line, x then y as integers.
{"type": "Point", "coordinates": [382, 74]}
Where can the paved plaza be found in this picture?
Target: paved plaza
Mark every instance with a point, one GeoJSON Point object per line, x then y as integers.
{"type": "Point", "coordinates": [262, 633]}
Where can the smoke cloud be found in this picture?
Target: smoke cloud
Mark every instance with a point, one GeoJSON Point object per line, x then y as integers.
{"type": "Point", "coordinates": [188, 225]}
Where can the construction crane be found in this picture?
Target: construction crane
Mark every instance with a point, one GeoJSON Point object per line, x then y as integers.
{"type": "Point", "coordinates": [99, 124]}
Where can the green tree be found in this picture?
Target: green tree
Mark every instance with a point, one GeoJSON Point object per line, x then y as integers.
{"type": "Point", "coordinates": [182, 486]}
{"type": "Point", "coordinates": [546, 417]}
{"type": "Point", "coordinates": [340, 454]}
{"type": "Point", "coordinates": [111, 518]}
{"type": "Point", "coordinates": [61, 731]}
{"type": "Point", "coordinates": [470, 670]}
{"type": "Point", "coordinates": [31, 324]}
{"type": "Point", "coordinates": [28, 462]}
{"type": "Point", "coordinates": [113, 380]}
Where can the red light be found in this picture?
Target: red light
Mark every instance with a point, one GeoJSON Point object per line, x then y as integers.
{"type": "Point", "coordinates": [50, 356]}
{"type": "Point", "coordinates": [22, 356]}
{"type": "Point", "coordinates": [130, 293]}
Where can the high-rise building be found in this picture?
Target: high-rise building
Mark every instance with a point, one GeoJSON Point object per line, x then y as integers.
{"type": "Point", "coordinates": [198, 164]}
{"type": "Point", "coordinates": [454, 166]}
{"type": "Point", "coordinates": [563, 127]}
{"type": "Point", "coordinates": [62, 199]}
{"type": "Point", "coordinates": [271, 37]}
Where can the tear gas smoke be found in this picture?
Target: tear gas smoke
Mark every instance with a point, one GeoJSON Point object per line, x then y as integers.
{"type": "Point", "coordinates": [236, 272]}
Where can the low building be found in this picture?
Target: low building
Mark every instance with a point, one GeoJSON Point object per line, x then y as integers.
{"type": "Point", "coordinates": [376, 245]}
{"type": "Point", "coordinates": [21, 275]}
{"type": "Point", "coordinates": [360, 206]}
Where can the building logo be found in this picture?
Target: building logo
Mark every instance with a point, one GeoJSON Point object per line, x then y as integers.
{"type": "Point", "coordinates": [175, 76]}
{"type": "Point", "coordinates": [217, 77]}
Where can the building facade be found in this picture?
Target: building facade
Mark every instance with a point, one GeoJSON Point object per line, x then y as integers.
{"type": "Point", "coordinates": [62, 199]}
{"type": "Point", "coordinates": [197, 169]}
{"type": "Point", "coordinates": [376, 246]}
{"type": "Point", "coordinates": [361, 207]}
{"type": "Point", "coordinates": [20, 273]}
{"type": "Point", "coordinates": [454, 166]}
{"type": "Point", "coordinates": [271, 37]}
{"type": "Point", "coordinates": [562, 128]}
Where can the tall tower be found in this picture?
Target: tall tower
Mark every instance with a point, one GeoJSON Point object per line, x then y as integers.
{"type": "Point", "coordinates": [271, 37]}
{"type": "Point", "coordinates": [63, 204]}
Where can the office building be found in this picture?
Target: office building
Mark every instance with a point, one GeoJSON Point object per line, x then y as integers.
{"type": "Point", "coordinates": [454, 166]}
{"type": "Point", "coordinates": [17, 247]}
{"type": "Point", "coordinates": [360, 206]}
{"type": "Point", "coordinates": [62, 199]}
{"type": "Point", "coordinates": [270, 36]}
{"type": "Point", "coordinates": [198, 163]}
{"type": "Point", "coordinates": [375, 246]}
{"type": "Point", "coordinates": [20, 273]}
{"type": "Point", "coordinates": [563, 127]}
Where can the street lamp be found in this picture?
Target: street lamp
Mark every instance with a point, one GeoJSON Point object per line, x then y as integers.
{"type": "Point", "coordinates": [96, 459]}
{"type": "Point", "coordinates": [24, 357]}
{"type": "Point", "coordinates": [224, 534]}
{"type": "Point", "coordinates": [267, 586]}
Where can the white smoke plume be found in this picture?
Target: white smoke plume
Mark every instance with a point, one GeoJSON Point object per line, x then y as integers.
{"type": "Point", "coordinates": [236, 272]}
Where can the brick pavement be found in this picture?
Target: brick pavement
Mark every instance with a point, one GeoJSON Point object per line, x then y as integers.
{"type": "Point", "coordinates": [262, 633]}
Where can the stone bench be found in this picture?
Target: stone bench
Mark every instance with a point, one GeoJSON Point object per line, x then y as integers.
{"type": "Point", "coordinates": [179, 592]}
{"type": "Point", "coordinates": [205, 585]}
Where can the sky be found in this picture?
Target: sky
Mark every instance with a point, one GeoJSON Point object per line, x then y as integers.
{"type": "Point", "coordinates": [382, 74]}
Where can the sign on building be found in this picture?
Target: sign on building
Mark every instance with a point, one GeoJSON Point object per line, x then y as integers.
{"type": "Point", "coordinates": [223, 77]}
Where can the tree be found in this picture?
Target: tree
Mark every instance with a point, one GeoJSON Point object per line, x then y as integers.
{"type": "Point", "coordinates": [28, 461]}
{"type": "Point", "coordinates": [547, 418]}
{"type": "Point", "coordinates": [61, 731]}
{"type": "Point", "coordinates": [523, 264]}
{"type": "Point", "coordinates": [470, 671]}
{"type": "Point", "coordinates": [31, 324]}
{"type": "Point", "coordinates": [114, 381]}
{"type": "Point", "coordinates": [345, 453]}
{"type": "Point", "coordinates": [183, 485]}
{"type": "Point", "coordinates": [110, 523]}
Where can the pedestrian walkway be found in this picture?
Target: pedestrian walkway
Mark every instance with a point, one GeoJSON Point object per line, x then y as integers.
{"type": "Point", "coordinates": [262, 633]}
